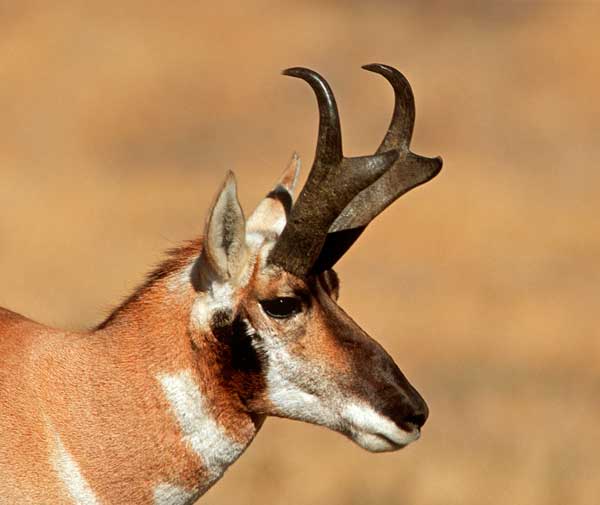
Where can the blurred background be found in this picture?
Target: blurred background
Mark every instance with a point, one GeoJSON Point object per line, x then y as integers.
{"type": "Point", "coordinates": [119, 119]}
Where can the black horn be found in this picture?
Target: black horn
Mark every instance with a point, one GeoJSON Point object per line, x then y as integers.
{"type": "Point", "coordinates": [333, 182]}
{"type": "Point", "coordinates": [408, 171]}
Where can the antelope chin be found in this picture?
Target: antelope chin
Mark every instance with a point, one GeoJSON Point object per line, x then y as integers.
{"type": "Point", "coordinates": [375, 432]}
{"type": "Point", "coordinates": [378, 442]}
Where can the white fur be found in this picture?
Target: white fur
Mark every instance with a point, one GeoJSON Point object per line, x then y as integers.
{"type": "Point", "coordinates": [254, 239]}
{"type": "Point", "coordinates": [279, 225]}
{"type": "Point", "coordinates": [265, 218]}
{"type": "Point", "coordinates": [200, 430]}
{"type": "Point", "coordinates": [373, 431]}
{"type": "Point", "coordinates": [273, 224]}
{"type": "Point", "coordinates": [70, 475]}
{"type": "Point", "coordinates": [290, 399]}
{"type": "Point", "coordinates": [269, 217]}
{"type": "Point", "coordinates": [286, 391]}
{"type": "Point", "coordinates": [168, 494]}
{"type": "Point", "coordinates": [219, 297]}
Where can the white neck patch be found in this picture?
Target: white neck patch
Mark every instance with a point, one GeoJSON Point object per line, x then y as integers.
{"type": "Point", "coordinates": [168, 494]}
{"type": "Point", "coordinates": [200, 430]}
{"type": "Point", "coordinates": [70, 475]}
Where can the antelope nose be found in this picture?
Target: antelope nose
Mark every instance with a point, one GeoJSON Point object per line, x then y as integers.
{"type": "Point", "coordinates": [419, 415]}
{"type": "Point", "coordinates": [409, 411]}
{"type": "Point", "coordinates": [418, 411]}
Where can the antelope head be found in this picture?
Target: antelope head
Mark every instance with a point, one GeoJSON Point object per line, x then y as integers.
{"type": "Point", "coordinates": [268, 293]}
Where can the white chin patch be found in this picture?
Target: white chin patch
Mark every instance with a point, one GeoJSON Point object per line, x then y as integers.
{"type": "Point", "coordinates": [375, 432]}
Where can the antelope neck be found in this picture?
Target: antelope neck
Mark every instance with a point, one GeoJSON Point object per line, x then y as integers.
{"type": "Point", "coordinates": [142, 374]}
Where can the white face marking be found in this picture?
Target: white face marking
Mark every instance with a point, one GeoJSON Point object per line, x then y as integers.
{"type": "Point", "coordinates": [219, 297]}
{"type": "Point", "coordinates": [168, 494]}
{"type": "Point", "coordinates": [200, 430]}
{"type": "Point", "coordinates": [286, 389]}
{"type": "Point", "coordinates": [300, 392]}
{"type": "Point", "coordinates": [374, 431]}
{"type": "Point", "coordinates": [70, 475]}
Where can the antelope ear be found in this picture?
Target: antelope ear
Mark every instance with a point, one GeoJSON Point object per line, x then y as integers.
{"type": "Point", "coordinates": [225, 251]}
{"type": "Point", "coordinates": [271, 214]}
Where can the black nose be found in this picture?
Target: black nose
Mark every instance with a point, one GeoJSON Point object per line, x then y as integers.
{"type": "Point", "coordinates": [408, 411]}
{"type": "Point", "coordinates": [420, 410]}
{"type": "Point", "coordinates": [419, 417]}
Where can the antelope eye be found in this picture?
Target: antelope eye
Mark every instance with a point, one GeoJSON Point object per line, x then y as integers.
{"type": "Point", "coordinates": [282, 308]}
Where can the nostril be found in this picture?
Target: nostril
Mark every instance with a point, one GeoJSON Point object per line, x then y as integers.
{"type": "Point", "coordinates": [417, 419]}
{"type": "Point", "coordinates": [421, 411]}
{"type": "Point", "coordinates": [408, 412]}
{"type": "Point", "coordinates": [419, 414]}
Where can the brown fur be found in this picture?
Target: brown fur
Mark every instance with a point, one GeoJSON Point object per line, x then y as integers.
{"type": "Point", "coordinates": [98, 389]}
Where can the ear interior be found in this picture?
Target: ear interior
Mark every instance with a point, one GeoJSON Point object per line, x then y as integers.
{"type": "Point", "coordinates": [270, 215]}
{"type": "Point", "coordinates": [225, 249]}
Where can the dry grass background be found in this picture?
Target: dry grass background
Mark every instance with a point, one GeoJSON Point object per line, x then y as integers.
{"type": "Point", "coordinates": [119, 120]}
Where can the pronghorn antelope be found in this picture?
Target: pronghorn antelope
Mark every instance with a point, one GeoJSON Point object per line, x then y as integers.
{"type": "Point", "coordinates": [154, 404]}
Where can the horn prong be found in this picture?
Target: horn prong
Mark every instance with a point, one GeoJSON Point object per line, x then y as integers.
{"type": "Point", "coordinates": [329, 142]}
{"type": "Point", "coordinates": [332, 183]}
{"type": "Point", "coordinates": [401, 126]}
{"type": "Point", "coordinates": [343, 195]}
{"type": "Point", "coordinates": [409, 170]}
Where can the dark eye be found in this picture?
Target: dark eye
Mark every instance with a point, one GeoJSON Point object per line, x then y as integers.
{"type": "Point", "coordinates": [282, 308]}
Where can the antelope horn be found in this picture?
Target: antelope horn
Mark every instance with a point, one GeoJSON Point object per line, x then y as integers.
{"type": "Point", "coordinates": [408, 171]}
{"type": "Point", "coordinates": [332, 183]}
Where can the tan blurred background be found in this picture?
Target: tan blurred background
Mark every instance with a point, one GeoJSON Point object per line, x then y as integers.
{"type": "Point", "coordinates": [119, 119]}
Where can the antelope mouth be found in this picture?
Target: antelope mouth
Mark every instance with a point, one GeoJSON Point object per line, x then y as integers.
{"type": "Point", "coordinates": [413, 436]}
{"type": "Point", "coordinates": [384, 442]}
{"type": "Point", "coordinates": [375, 432]}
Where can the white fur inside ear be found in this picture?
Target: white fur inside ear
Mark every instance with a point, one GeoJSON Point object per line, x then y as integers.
{"type": "Point", "coordinates": [269, 217]}
{"type": "Point", "coordinates": [254, 240]}
{"type": "Point", "coordinates": [225, 237]}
